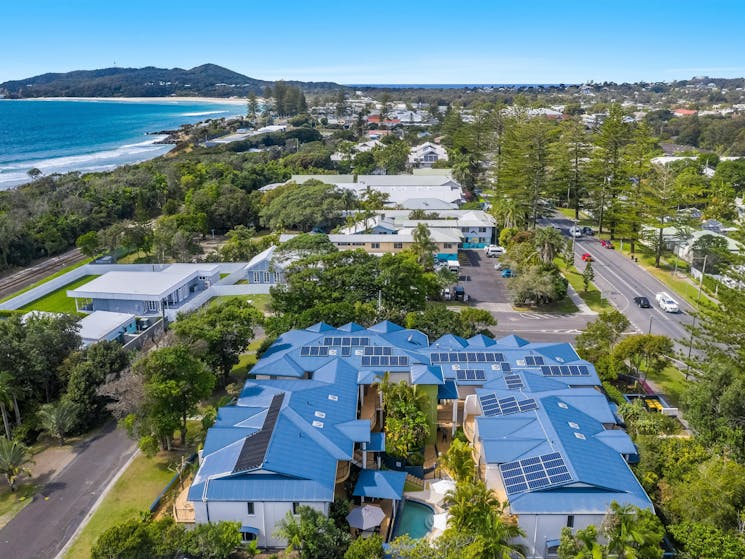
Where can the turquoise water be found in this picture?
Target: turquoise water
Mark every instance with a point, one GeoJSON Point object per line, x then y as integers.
{"type": "Point", "coordinates": [416, 519]}
{"type": "Point", "coordinates": [60, 136]}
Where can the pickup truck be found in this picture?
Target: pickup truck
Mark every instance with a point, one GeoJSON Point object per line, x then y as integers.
{"type": "Point", "coordinates": [667, 303]}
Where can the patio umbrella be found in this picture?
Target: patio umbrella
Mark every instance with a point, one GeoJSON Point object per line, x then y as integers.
{"type": "Point", "coordinates": [441, 520]}
{"type": "Point", "coordinates": [442, 486]}
{"type": "Point", "coordinates": [365, 517]}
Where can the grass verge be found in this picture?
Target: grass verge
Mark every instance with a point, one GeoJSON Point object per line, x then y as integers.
{"type": "Point", "coordinates": [565, 306]}
{"type": "Point", "coordinates": [12, 503]}
{"type": "Point", "coordinates": [672, 384]}
{"type": "Point", "coordinates": [57, 300]}
{"type": "Point", "coordinates": [262, 301]}
{"type": "Point", "coordinates": [592, 296]}
{"type": "Point", "coordinates": [46, 279]}
{"type": "Point", "coordinates": [132, 494]}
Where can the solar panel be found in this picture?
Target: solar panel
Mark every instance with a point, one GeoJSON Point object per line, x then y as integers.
{"type": "Point", "coordinates": [314, 351]}
{"type": "Point", "coordinates": [565, 371]}
{"type": "Point", "coordinates": [377, 350]}
{"type": "Point", "coordinates": [491, 406]}
{"type": "Point", "coordinates": [385, 361]}
{"type": "Point", "coordinates": [534, 473]}
{"type": "Point", "coordinates": [470, 375]}
{"type": "Point", "coordinates": [533, 360]}
{"type": "Point", "coordinates": [467, 357]}
{"type": "Point", "coordinates": [514, 382]}
{"type": "Point", "coordinates": [346, 351]}
{"type": "Point", "coordinates": [346, 341]}
{"type": "Point", "coordinates": [506, 367]}
{"type": "Point", "coordinates": [254, 447]}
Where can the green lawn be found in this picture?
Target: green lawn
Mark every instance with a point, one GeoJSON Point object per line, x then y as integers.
{"type": "Point", "coordinates": [246, 360]}
{"type": "Point", "coordinates": [46, 279]}
{"type": "Point", "coordinates": [431, 393]}
{"type": "Point", "coordinates": [12, 503]}
{"type": "Point", "coordinates": [57, 300]}
{"type": "Point", "coordinates": [261, 301]}
{"type": "Point", "coordinates": [132, 494]}
{"type": "Point", "coordinates": [672, 384]}
{"type": "Point", "coordinates": [565, 306]}
{"type": "Point", "coordinates": [592, 296]}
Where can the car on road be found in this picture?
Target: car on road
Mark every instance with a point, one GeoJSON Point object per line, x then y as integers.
{"type": "Point", "coordinates": [642, 302]}
{"type": "Point", "coordinates": [667, 303]}
{"type": "Point", "coordinates": [587, 231]}
{"type": "Point", "coordinates": [587, 257]}
{"type": "Point", "coordinates": [575, 231]}
{"type": "Point", "coordinates": [507, 273]}
{"type": "Point", "coordinates": [493, 251]}
{"type": "Point", "coordinates": [606, 244]}
{"type": "Point", "coordinates": [460, 293]}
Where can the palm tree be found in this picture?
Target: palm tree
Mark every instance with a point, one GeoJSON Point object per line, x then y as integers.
{"type": "Point", "coordinates": [8, 396]}
{"type": "Point", "coordinates": [423, 246]}
{"type": "Point", "coordinates": [496, 536]}
{"type": "Point", "coordinates": [58, 419]}
{"type": "Point", "coordinates": [548, 242]}
{"type": "Point", "coordinates": [14, 456]}
{"type": "Point", "coordinates": [632, 533]}
{"type": "Point", "coordinates": [458, 461]}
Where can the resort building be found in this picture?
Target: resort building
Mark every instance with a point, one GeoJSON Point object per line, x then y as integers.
{"type": "Point", "coordinates": [544, 436]}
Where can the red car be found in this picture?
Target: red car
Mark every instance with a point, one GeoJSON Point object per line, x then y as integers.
{"type": "Point", "coordinates": [606, 244]}
{"type": "Point", "coordinates": [587, 257]}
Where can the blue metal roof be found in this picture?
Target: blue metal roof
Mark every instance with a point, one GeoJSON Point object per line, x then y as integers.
{"type": "Point", "coordinates": [447, 391]}
{"type": "Point", "coordinates": [479, 340]}
{"type": "Point", "coordinates": [424, 374]}
{"type": "Point", "coordinates": [450, 342]}
{"type": "Point", "coordinates": [377, 442]}
{"type": "Point", "coordinates": [382, 484]}
{"type": "Point", "coordinates": [512, 341]}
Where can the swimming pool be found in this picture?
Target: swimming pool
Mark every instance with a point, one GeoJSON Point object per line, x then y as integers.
{"type": "Point", "coordinates": [416, 519]}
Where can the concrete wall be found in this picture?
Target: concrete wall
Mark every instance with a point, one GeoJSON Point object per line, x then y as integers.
{"type": "Point", "coordinates": [265, 518]}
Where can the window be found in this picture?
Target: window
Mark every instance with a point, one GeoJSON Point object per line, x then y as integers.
{"type": "Point", "coordinates": [151, 306]}
{"type": "Point", "coordinates": [250, 509]}
{"type": "Point", "coordinates": [570, 521]}
{"type": "Point", "coordinates": [482, 229]}
{"type": "Point", "coordinates": [374, 245]}
{"type": "Point", "coordinates": [398, 245]}
{"type": "Point", "coordinates": [295, 506]}
{"type": "Point", "coordinates": [266, 278]}
{"type": "Point", "coordinates": [448, 245]}
{"type": "Point", "coordinates": [257, 277]}
{"type": "Point", "coordinates": [248, 536]}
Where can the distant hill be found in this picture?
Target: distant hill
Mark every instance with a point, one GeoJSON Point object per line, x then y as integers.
{"type": "Point", "coordinates": [208, 80]}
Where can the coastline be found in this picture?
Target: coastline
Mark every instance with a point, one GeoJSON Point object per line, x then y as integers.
{"type": "Point", "coordinates": [160, 100]}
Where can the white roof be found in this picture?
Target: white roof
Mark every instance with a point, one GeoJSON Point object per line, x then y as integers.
{"type": "Point", "coordinates": [134, 285]}
{"type": "Point", "coordinates": [99, 324]}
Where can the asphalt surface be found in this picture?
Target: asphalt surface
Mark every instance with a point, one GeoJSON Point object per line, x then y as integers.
{"type": "Point", "coordinates": [620, 280]}
{"type": "Point", "coordinates": [488, 290]}
{"type": "Point", "coordinates": [42, 528]}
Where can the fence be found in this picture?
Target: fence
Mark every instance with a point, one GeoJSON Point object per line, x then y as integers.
{"type": "Point", "coordinates": [156, 503]}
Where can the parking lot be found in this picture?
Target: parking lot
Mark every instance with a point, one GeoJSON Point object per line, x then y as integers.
{"type": "Point", "coordinates": [482, 282]}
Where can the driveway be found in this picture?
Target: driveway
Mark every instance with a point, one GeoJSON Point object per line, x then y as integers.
{"type": "Point", "coordinates": [44, 526]}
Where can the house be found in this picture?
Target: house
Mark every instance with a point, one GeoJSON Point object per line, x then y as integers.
{"type": "Point", "coordinates": [104, 325]}
{"type": "Point", "coordinates": [268, 268]}
{"type": "Point", "coordinates": [544, 437]}
{"type": "Point", "coordinates": [427, 154]}
{"type": "Point", "coordinates": [681, 240]}
{"type": "Point", "coordinates": [146, 293]}
{"type": "Point", "coordinates": [362, 147]}
{"type": "Point", "coordinates": [684, 112]}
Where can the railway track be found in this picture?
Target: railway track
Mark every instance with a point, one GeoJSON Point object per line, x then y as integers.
{"type": "Point", "coordinates": [23, 278]}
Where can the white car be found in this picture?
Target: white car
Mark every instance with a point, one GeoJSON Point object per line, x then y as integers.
{"type": "Point", "coordinates": [667, 303]}
{"type": "Point", "coordinates": [575, 231]}
{"type": "Point", "coordinates": [493, 251]}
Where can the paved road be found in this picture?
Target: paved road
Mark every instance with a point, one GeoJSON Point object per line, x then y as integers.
{"type": "Point", "coordinates": [620, 280]}
{"type": "Point", "coordinates": [42, 528]}
{"type": "Point", "coordinates": [489, 291]}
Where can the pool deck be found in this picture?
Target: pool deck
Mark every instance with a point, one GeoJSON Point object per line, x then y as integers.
{"type": "Point", "coordinates": [430, 498]}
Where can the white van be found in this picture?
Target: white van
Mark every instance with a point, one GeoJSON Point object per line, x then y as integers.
{"type": "Point", "coordinates": [667, 303]}
{"type": "Point", "coordinates": [575, 231]}
{"type": "Point", "coordinates": [493, 251]}
{"type": "Point", "coordinates": [454, 266]}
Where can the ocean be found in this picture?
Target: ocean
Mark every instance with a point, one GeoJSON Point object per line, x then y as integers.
{"type": "Point", "coordinates": [71, 135]}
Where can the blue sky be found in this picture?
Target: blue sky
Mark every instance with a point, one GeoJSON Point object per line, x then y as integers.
{"type": "Point", "coordinates": [382, 41]}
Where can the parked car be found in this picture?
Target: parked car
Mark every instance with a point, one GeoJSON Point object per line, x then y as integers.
{"type": "Point", "coordinates": [587, 230]}
{"type": "Point", "coordinates": [447, 295]}
{"type": "Point", "coordinates": [460, 293]}
{"type": "Point", "coordinates": [507, 273]}
{"type": "Point", "coordinates": [493, 251]}
{"type": "Point", "coordinates": [642, 302]}
{"type": "Point", "coordinates": [498, 266]}
{"type": "Point", "coordinates": [667, 303]}
{"type": "Point", "coordinates": [606, 244]}
{"type": "Point", "coordinates": [587, 257]}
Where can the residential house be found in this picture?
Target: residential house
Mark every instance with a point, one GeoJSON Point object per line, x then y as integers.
{"type": "Point", "coordinates": [104, 325]}
{"type": "Point", "coordinates": [427, 154]}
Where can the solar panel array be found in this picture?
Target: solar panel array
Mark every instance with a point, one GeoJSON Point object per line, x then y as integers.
{"type": "Point", "coordinates": [314, 351]}
{"type": "Point", "coordinates": [533, 360]}
{"type": "Point", "coordinates": [254, 447]}
{"type": "Point", "coordinates": [506, 367]}
{"type": "Point", "coordinates": [346, 351]}
{"type": "Point", "coordinates": [514, 382]}
{"type": "Point", "coordinates": [467, 357]}
{"type": "Point", "coordinates": [470, 374]}
{"type": "Point", "coordinates": [492, 406]}
{"type": "Point", "coordinates": [565, 371]}
{"type": "Point", "coordinates": [385, 361]}
{"type": "Point", "coordinates": [346, 341]}
{"type": "Point", "coordinates": [535, 473]}
{"type": "Point", "coordinates": [377, 350]}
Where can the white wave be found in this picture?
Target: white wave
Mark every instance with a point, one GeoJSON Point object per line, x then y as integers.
{"type": "Point", "coordinates": [105, 160]}
{"type": "Point", "coordinates": [204, 113]}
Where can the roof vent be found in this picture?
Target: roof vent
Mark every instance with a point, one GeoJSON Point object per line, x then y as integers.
{"type": "Point", "coordinates": [333, 397]}
{"type": "Point", "coordinates": [559, 359]}
{"type": "Point", "coordinates": [578, 435]}
{"type": "Point", "coordinates": [323, 415]}
{"type": "Point", "coordinates": [319, 425]}
{"type": "Point", "coordinates": [563, 405]}
{"type": "Point", "coordinates": [572, 424]}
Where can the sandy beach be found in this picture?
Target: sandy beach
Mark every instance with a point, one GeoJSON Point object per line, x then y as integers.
{"type": "Point", "coordinates": [217, 100]}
